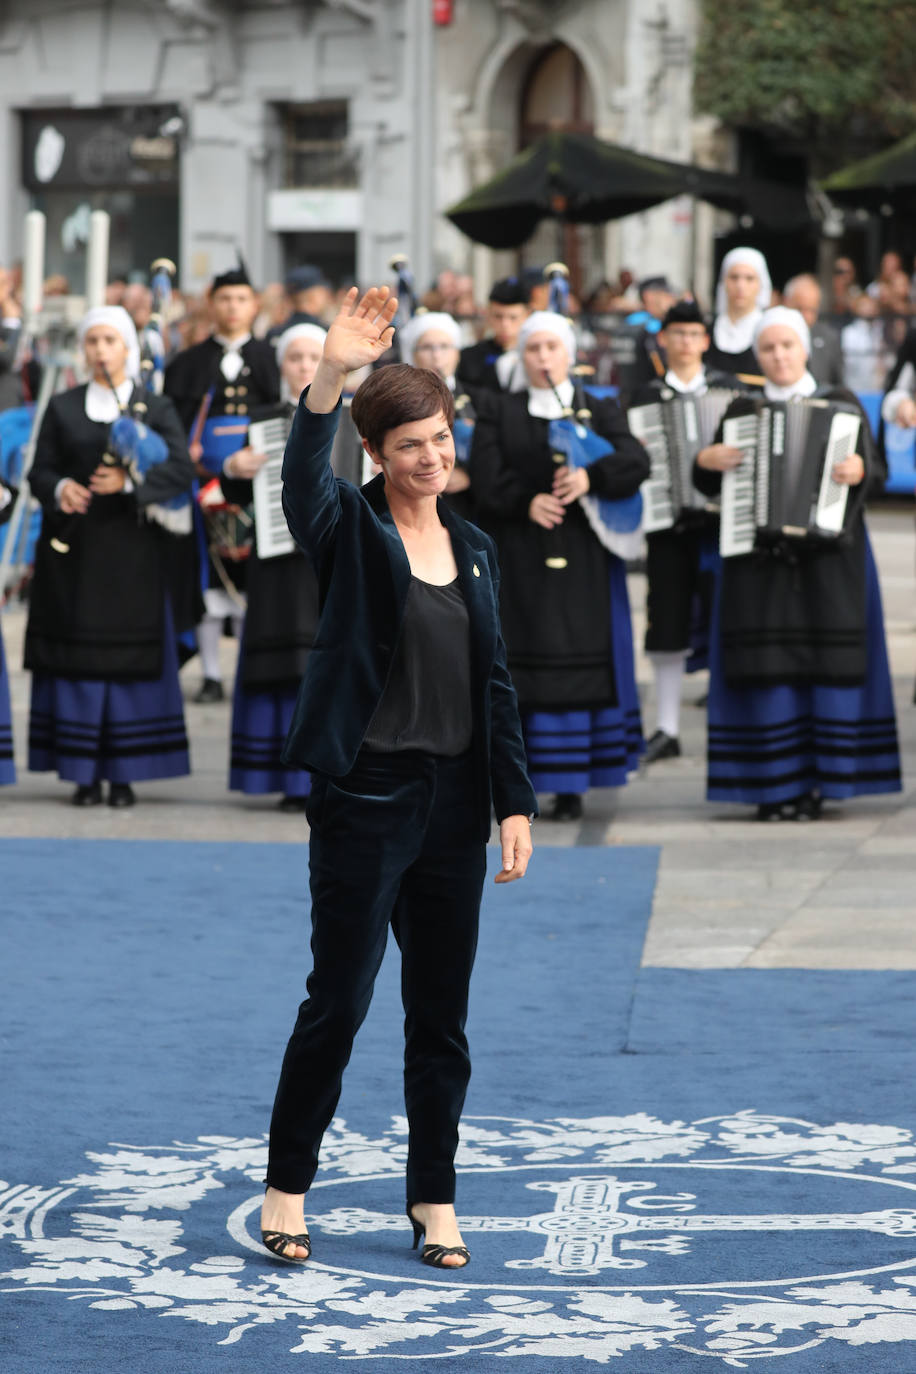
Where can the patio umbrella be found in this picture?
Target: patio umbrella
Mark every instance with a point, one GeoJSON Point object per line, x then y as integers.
{"type": "Point", "coordinates": [888, 177]}
{"type": "Point", "coordinates": [583, 180]}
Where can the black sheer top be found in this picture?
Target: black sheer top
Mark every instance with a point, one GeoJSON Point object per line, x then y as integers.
{"type": "Point", "coordinates": [427, 700]}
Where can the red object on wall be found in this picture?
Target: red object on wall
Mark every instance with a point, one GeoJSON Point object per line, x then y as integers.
{"type": "Point", "coordinates": [443, 11]}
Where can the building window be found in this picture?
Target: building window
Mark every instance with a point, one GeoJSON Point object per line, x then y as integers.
{"type": "Point", "coordinates": [317, 149]}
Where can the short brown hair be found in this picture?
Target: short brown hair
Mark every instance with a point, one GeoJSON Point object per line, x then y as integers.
{"type": "Point", "coordinates": [396, 395]}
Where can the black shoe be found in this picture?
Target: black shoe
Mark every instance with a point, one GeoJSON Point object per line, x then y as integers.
{"type": "Point", "coordinates": [121, 794]}
{"type": "Point", "coordinates": [435, 1254]}
{"type": "Point", "coordinates": [807, 807]}
{"type": "Point", "coordinates": [292, 804]}
{"type": "Point", "coordinates": [662, 746]}
{"type": "Point", "coordinates": [772, 811]}
{"type": "Point", "coordinates": [211, 690]}
{"type": "Point", "coordinates": [90, 795]}
{"type": "Point", "coordinates": [567, 806]}
{"type": "Point", "coordinates": [277, 1241]}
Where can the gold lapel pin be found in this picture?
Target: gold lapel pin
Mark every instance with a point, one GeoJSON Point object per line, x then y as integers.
{"type": "Point", "coordinates": [476, 570]}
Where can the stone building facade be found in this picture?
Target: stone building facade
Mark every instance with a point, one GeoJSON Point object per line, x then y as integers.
{"type": "Point", "coordinates": [333, 131]}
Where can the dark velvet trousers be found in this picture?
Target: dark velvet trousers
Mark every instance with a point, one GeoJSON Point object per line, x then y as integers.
{"type": "Point", "coordinates": [396, 841]}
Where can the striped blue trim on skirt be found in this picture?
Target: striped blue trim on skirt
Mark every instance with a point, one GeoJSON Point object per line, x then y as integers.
{"type": "Point", "coordinates": [571, 751]}
{"type": "Point", "coordinates": [7, 767]}
{"type": "Point", "coordinates": [775, 743]}
{"type": "Point", "coordinates": [93, 730]}
{"type": "Point", "coordinates": [260, 724]}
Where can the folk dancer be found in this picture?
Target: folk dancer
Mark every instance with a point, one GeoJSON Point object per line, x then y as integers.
{"type": "Point", "coordinates": [566, 614]}
{"type": "Point", "coordinates": [227, 375]}
{"type": "Point", "coordinates": [100, 638]}
{"type": "Point", "coordinates": [800, 699]}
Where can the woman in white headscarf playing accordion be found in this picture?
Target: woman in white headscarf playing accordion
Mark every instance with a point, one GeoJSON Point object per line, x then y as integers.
{"type": "Point", "coordinates": [800, 699]}
{"type": "Point", "coordinates": [564, 605]}
{"type": "Point", "coordinates": [113, 474]}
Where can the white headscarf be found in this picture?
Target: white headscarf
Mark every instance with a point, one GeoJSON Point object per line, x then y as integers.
{"type": "Point", "coordinates": [415, 328]}
{"type": "Point", "coordinates": [118, 319]}
{"type": "Point", "coordinates": [747, 257]}
{"type": "Point", "coordinates": [298, 331]}
{"type": "Point", "coordinates": [791, 319]}
{"type": "Point", "coordinates": [548, 322]}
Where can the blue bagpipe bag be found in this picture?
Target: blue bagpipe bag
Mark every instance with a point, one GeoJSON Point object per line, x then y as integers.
{"type": "Point", "coordinates": [15, 429]}
{"type": "Point", "coordinates": [615, 523]}
{"type": "Point", "coordinates": [140, 449]}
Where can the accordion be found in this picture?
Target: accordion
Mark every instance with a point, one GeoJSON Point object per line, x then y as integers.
{"type": "Point", "coordinates": [269, 436]}
{"type": "Point", "coordinates": [672, 433]}
{"type": "Point", "coordinates": [784, 486]}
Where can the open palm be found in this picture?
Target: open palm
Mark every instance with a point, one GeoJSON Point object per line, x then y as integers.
{"type": "Point", "coordinates": [362, 330]}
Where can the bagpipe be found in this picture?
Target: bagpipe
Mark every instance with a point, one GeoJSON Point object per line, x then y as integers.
{"type": "Point", "coordinates": [572, 441]}
{"type": "Point", "coordinates": [153, 347]}
{"type": "Point", "coordinates": [136, 448]}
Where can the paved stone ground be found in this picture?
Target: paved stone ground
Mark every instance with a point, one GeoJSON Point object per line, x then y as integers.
{"type": "Point", "coordinates": [840, 893]}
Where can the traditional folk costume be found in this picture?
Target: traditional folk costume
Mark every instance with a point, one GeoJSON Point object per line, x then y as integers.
{"type": "Point", "coordinates": [564, 604]}
{"type": "Point", "coordinates": [100, 638]}
{"type": "Point", "coordinates": [800, 699]}
{"type": "Point", "coordinates": [218, 379]}
{"type": "Point", "coordinates": [681, 567]}
{"type": "Point", "coordinates": [732, 346]}
{"type": "Point", "coordinates": [486, 366]}
{"type": "Point", "coordinates": [280, 625]}
{"type": "Point", "coordinates": [7, 767]}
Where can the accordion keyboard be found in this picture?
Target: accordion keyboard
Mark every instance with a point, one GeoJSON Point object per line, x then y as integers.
{"type": "Point", "coordinates": [271, 530]}
{"type": "Point", "coordinates": [648, 426]}
{"type": "Point", "coordinates": [738, 529]}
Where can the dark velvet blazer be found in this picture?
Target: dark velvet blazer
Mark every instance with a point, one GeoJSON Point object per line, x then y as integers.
{"type": "Point", "coordinates": [364, 577]}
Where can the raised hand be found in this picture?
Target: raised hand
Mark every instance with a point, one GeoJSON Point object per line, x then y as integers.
{"type": "Point", "coordinates": [358, 337]}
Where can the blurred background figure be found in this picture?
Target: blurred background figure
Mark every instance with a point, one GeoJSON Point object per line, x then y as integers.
{"type": "Point", "coordinates": [825, 363]}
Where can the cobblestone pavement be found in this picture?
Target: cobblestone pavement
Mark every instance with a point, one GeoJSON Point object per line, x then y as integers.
{"type": "Point", "coordinates": [840, 893]}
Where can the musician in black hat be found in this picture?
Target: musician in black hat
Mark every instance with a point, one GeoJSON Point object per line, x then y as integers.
{"type": "Point", "coordinates": [493, 364]}
{"type": "Point", "coordinates": [679, 560]}
{"type": "Point", "coordinates": [229, 374]}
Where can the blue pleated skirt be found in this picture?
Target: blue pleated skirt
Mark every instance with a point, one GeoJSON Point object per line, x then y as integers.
{"type": "Point", "coordinates": [775, 743]}
{"type": "Point", "coordinates": [571, 751]}
{"type": "Point", "coordinates": [7, 767]}
{"type": "Point", "coordinates": [94, 730]}
{"type": "Point", "coordinates": [260, 724]}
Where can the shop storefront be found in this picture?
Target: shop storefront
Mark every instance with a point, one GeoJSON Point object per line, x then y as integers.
{"type": "Point", "coordinates": [121, 159]}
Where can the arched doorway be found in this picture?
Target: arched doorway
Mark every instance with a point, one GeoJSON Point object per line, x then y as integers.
{"type": "Point", "coordinates": [556, 94]}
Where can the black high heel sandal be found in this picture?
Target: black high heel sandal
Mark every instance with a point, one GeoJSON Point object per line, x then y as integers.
{"type": "Point", "coordinates": [276, 1242]}
{"type": "Point", "coordinates": [435, 1254]}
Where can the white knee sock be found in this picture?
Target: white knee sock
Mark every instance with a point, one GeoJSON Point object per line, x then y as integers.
{"type": "Point", "coordinates": [669, 669]}
{"type": "Point", "coordinates": [208, 636]}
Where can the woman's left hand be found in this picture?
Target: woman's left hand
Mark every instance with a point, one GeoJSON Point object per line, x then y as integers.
{"type": "Point", "coordinates": [850, 472]}
{"type": "Point", "coordinates": [570, 483]}
{"type": "Point", "coordinates": [515, 838]}
{"type": "Point", "coordinates": [107, 481]}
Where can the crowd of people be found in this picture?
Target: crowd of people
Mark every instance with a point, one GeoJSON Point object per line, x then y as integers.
{"type": "Point", "coordinates": [549, 465]}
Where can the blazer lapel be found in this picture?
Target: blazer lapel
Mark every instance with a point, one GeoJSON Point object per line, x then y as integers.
{"type": "Point", "coordinates": [476, 582]}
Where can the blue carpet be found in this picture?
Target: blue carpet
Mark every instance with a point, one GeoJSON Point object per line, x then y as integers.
{"type": "Point", "coordinates": [663, 1170]}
